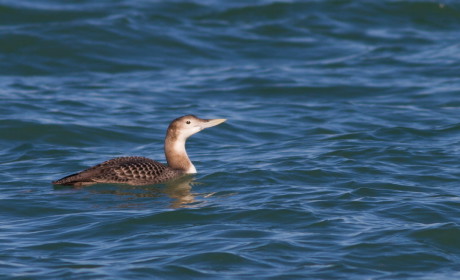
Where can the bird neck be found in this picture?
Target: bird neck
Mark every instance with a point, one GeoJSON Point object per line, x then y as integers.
{"type": "Point", "coordinates": [176, 155]}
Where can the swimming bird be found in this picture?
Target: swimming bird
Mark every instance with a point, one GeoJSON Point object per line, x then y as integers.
{"type": "Point", "coordinates": [136, 170]}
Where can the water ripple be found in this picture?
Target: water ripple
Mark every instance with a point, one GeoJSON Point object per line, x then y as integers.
{"type": "Point", "coordinates": [339, 158]}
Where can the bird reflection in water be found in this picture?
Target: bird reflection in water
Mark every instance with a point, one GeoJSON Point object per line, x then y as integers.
{"type": "Point", "coordinates": [179, 191]}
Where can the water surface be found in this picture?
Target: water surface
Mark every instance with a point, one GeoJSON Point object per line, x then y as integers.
{"type": "Point", "coordinates": [339, 159]}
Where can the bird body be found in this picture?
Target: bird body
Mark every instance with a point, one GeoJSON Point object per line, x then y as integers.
{"type": "Point", "coordinates": [135, 170]}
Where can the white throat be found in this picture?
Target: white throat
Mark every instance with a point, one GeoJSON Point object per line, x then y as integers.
{"type": "Point", "coordinates": [177, 157]}
{"type": "Point", "coordinates": [191, 169]}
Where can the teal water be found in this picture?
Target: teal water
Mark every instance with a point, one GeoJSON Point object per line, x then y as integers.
{"type": "Point", "coordinates": [339, 159]}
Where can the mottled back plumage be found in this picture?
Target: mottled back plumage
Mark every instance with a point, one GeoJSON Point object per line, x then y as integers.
{"type": "Point", "coordinates": [124, 170]}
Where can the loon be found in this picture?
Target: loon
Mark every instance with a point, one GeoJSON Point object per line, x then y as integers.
{"type": "Point", "coordinates": [134, 170]}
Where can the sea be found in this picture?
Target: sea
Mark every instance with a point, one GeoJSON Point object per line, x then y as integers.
{"type": "Point", "coordinates": [339, 159]}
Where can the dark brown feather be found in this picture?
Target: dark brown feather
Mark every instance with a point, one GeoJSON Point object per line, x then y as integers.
{"type": "Point", "coordinates": [127, 170]}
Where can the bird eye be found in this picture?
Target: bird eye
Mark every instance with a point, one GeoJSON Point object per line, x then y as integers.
{"type": "Point", "coordinates": [187, 122]}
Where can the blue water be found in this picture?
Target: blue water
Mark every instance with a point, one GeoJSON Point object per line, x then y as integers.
{"type": "Point", "coordinates": [339, 159]}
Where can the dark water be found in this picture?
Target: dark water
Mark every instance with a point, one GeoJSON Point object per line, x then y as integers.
{"type": "Point", "coordinates": [339, 159]}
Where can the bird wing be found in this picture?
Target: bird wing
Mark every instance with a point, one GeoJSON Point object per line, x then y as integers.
{"type": "Point", "coordinates": [129, 170]}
